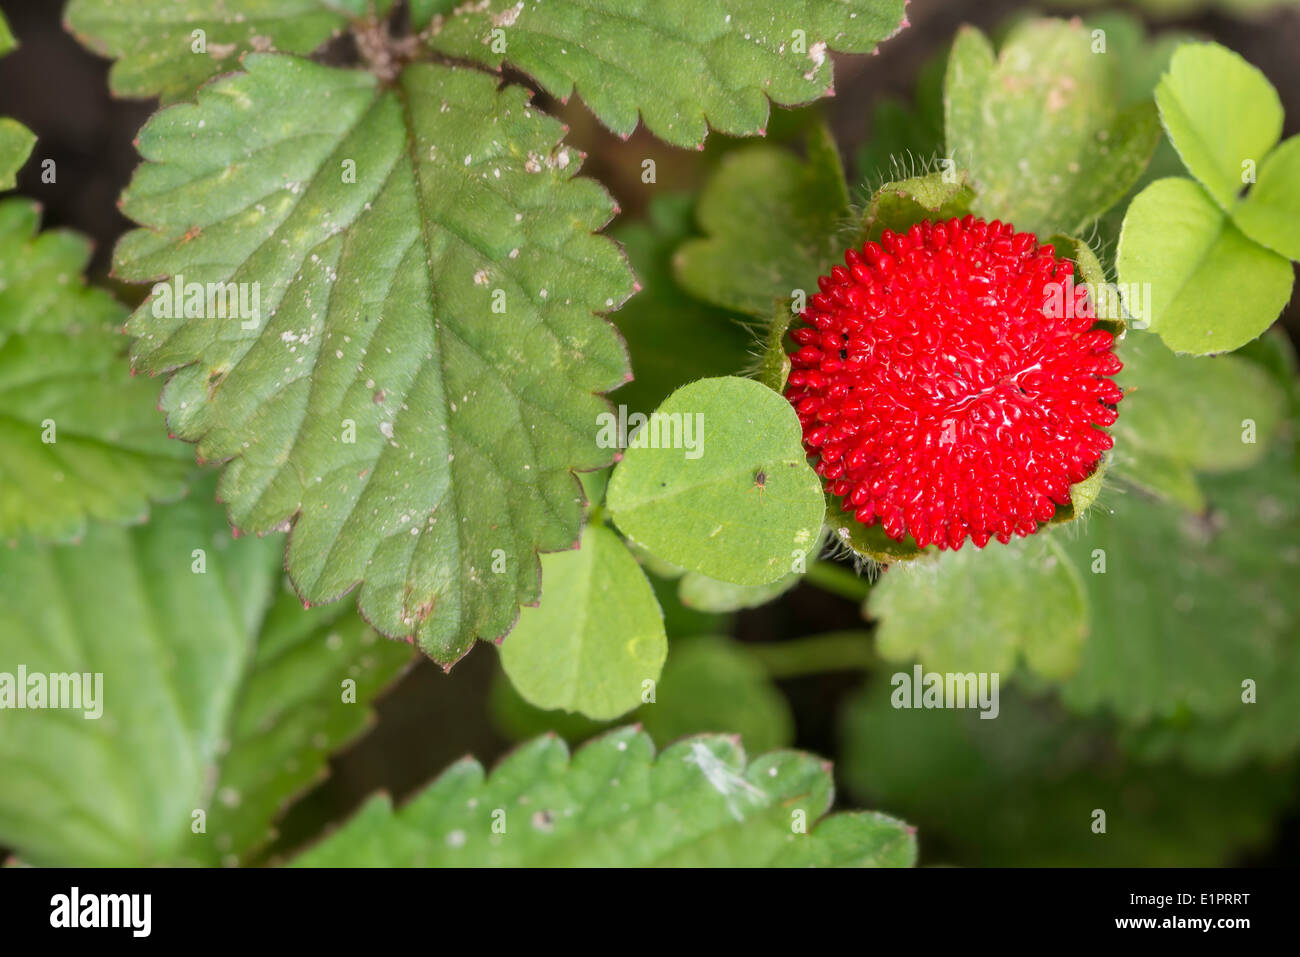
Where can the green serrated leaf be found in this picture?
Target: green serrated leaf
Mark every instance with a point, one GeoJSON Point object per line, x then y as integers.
{"type": "Point", "coordinates": [1023, 790]}
{"type": "Point", "coordinates": [1220, 113]}
{"type": "Point", "coordinates": [597, 636]}
{"type": "Point", "coordinates": [384, 405]}
{"type": "Point", "coordinates": [732, 496]}
{"type": "Point", "coordinates": [700, 803]}
{"type": "Point", "coordinates": [1270, 213]}
{"type": "Point", "coordinates": [303, 695]}
{"type": "Point", "coordinates": [79, 439]}
{"type": "Point", "coordinates": [1185, 608]}
{"type": "Point", "coordinates": [982, 610]}
{"type": "Point", "coordinates": [683, 66]}
{"type": "Point", "coordinates": [660, 318]}
{"type": "Point", "coordinates": [1266, 729]}
{"type": "Point", "coordinates": [1183, 415]}
{"type": "Point", "coordinates": [1211, 289]}
{"type": "Point", "coordinates": [772, 225]}
{"type": "Point", "coordinates": [158, 52]}
{"type": "Point", "coordinates": [1039, 130]}
{"type": "Point", "coordinates": [968, 79]}
{"type": "Point", "coordinates": [195, 709]}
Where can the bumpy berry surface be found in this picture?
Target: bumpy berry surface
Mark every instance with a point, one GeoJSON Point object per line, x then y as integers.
{"type": "Point", "coordinates": [950, 383]}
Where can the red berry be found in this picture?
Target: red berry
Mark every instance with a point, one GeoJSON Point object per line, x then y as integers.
{"type": "Point", "coordinates": [941, 389]}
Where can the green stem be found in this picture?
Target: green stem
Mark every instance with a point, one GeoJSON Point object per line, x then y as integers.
{"type": "Point", "coordinates": [815, 654]}
{"type": "Point", "coordinates": [838, 580]}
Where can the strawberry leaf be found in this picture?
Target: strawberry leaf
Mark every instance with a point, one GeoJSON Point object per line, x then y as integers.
{"type": "Point", "coordinates": [1183, 415]}
{"type": "Point", "coordinates": [1270, 213]}
{"type": "Point", "coordinates": [197, 709]}
{"type": "Point", "coordinates": [728, 492]}
{"type": "Point", "coordinates": [1267, 729]}
{"type": "Point", "coordinates": [1038, 127]}
{"type": "Point", "coordinates": [682, 66]}
{"type": "Point", "coordinates": [699, 803]}
{"type": "Point", "coordinates": [596, 639]}
{"type": "Point", "coordinates": [1221, 114]}
{"type": "Point", "coordinates": [304, 695]}
{"type": "Point", "coordinates": [422, 379]}
{"type": "Point", "coordinates": [1211, 259]}
{"type": "Point", "coordinates": [78, 438]}
{"type": "Point", "coordinates": [984, 609]}
{"type": "Point", "coordinates": [1185, 608]}
{"type": "Point", "coordinates": [1212, 288]}
{"type": "Point", "coordinates": [170, 49]}
{"type": "Point", "coordinates": [772, 224]}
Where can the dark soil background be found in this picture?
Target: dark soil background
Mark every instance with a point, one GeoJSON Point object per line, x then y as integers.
{"type": "Point", "coordinates": [430, 719]}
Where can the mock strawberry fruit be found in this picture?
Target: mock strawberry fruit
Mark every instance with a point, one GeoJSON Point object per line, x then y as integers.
{"type": "Point", "coordinates": [950, 382]}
